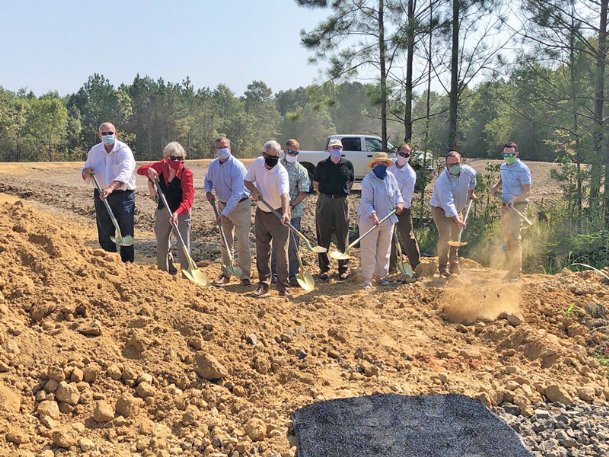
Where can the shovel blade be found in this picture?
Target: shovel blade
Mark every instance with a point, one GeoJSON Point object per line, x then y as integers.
{"type": "Point", "coordinates": [306, 281]}
{"type": "Point", "coordinates": [231, 270]}
{"type": "Point", "coordinates": [337, 255]}
{"type": "Point", "coordinates": [405, 269]}
{"type": "Point", "coordinates": [123, 240]}
{"type": "Point", "coordinates": [318, 249]}
{"type": "Point", "coordinates": [196, 276]}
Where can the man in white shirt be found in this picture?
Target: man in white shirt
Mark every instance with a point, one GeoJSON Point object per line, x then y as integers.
{"type": "Point", "coordinates": [406, 178]}
{"type": "Point", "coordinates": [452, 189]}
{"type": "Point", "coordinates": [113, 164]}
{"type": "Point", "coordinates": [268, 179]}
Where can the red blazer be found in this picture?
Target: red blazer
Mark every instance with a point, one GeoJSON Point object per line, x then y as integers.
{"type": "Point", "coordinates": [185, 177]}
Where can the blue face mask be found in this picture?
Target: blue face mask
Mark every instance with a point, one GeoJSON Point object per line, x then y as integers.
{"type": "Point", "coordinates": [336, 153]}
{"type": "Point", "coordinates": [108, 139]}
{"type": "Point", "coordinates": [380, 171]}
{"type": "Point", "coordinates": [223, 153]}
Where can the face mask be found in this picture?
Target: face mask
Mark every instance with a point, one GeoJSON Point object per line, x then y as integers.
{"type": "Point", "coordinates": [173, 164]}
{"type": "Point", "coordinates": [271, 161]}
{"type": "Point", "coordinates": [402, 160]}
{"type": "Point", "coordinates": [380, 171]}
{"type": "Point", "coordinates": [455, 169]}
{"type": "Point", "coordinates": [290, 158]}
{"type": "Point", "coordinates": [223, 153]}
{"type": "Point", "coordinates": [510, 159]}
{"type": "Point", "coordinates": [108, 139]}
{"type": "Point", "coordinates": [335, 153]}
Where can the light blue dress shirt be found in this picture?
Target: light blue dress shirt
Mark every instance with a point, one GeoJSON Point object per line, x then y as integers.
{"type": "Point", "coordinates": [379, 196]}
{"type": "Point", "coordinates": [513, 177]}
{"type": "Point", "coordinates": [450, 192]}
{"type": "Point", "coordinates": [227, 180]}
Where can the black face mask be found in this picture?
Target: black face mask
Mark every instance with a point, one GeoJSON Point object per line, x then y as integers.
{"type": "Point", "coordinates": [271, 161]}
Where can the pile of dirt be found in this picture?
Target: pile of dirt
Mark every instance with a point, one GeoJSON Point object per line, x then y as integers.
{"type": "Point", "coordinates": [106, 358]}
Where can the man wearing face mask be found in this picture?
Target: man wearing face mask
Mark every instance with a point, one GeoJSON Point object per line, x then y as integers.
{"type": "Point", "coordinates": [380, 195]}
{"type": "Point", "coordinates": [406, 178]}
{"type": "Point", "coordinates": [452, 189]}
{"type": "Point", "coordinates": [176, 183]}
{"type": "Point", "coordinates": [113, 164]}
{"type": "Point", "coordinates": [515, 182]}
{"type": "Point", "coordinates": [299, 187]}
{"type": "Point", "coordinates": [225, 175]}
{"type": "Point", "coordinates": [268, 179]}
{"type": "Point", "coordinates": [332, 180]}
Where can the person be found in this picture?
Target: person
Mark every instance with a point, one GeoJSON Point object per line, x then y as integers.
{"type": "Point", "coordinates": [176, 182]}
{"type": "Point", "coordinates": [406, 178]}
{"type": "Point", "coordinates": [113, 164]}
{"type": "Point", "coordinates": [515, 182]}
{"type": "Point", "coordinates": [380, 195]}
{"type": "Point", "coordinates": [225, 175]}
{"type": "Point", "coordinates": [267, 179]}
{"type": "Point", "coordinates": [299, 187]}
{"type": "Point", "coordinates": [332, 181]}
{"type": "Point", "coordinates": [448, 199]}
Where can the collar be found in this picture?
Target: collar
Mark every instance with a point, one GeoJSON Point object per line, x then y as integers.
{"type": "Point", "coordinates": [230, 157]}
{"type": "Point", "coordinates": [115, 147]}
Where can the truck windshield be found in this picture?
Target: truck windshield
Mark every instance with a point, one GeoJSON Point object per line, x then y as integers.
{"type": "Point", "coordinates": [374, 145]}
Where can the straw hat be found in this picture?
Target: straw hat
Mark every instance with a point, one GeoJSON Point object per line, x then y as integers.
{"type": "Point", "coordinates": [381, 157]}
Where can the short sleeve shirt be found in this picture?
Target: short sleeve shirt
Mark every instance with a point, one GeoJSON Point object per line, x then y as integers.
{"type": "Point", "coordinates": [270, 183]}
{"type": "Point", "coordinates": [299, 182]}
{"type": "Point", "coordinates": [513, 177]}
{"type": "Point", "coordinates": [334, 178]}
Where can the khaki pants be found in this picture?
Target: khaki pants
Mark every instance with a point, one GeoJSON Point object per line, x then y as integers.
{"type": "Point", "coordinates": [375, 249]}
{"type": "Point", "coordinates": [238, 223]}
{"type": "Point", "coordinates": [162, 231]}
{"type": "Point", "coordinates": [332, 218]}
{"type": "Point", "coordinates": [448, 230]}
{"type": "Point", "coordinates": [269, 228]}
{"type": "Point", "coordinates": [407, 241]}
{"type": "Point", "coordinates": [511, 224]}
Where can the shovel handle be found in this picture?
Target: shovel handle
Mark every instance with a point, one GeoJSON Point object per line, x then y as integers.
{"type": "Point", "coordinates": [371, 230]}
{"type": "Point", "coordinates": [469, 206]}
{"type": "Point", "coordinates": [107, 205]}
{"type": "Point", "coordinates": [499, 195]}
{"type": "Point", "coordinates": [222, 234]}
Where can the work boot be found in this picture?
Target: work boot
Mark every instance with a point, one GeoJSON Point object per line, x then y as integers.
{"type": "Point", "coordinates": [444, 272]}
{"type": "Point", "coordinates": [262, 290]}
{"type": "Point", "coordinates": [293, 282]}
{"type": "Point", "coordinates": [221, 280]}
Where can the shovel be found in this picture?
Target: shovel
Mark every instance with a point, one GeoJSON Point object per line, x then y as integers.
{"type": "Point", "coordinates": [459, 243]}
{"type": "Point", "coordinates": [522, 216]}
{"type": "Point", "coordinates": [337, 255]}
{"type": "Point", "coordinates": [317, 249]}
{"type": "Point", "coordinates": [119, 239]}
{"type": "Point", "coordinates": [192, 273]}
{"type": "Point", "coordinates": [402, 266]}
{"type": "Point", "coordinates": [304, 278]}
{"type": "Point", "coordinates": [230, 269]}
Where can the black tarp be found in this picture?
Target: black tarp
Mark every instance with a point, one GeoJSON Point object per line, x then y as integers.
{"type": "Point", "coordinates": [389, 425]}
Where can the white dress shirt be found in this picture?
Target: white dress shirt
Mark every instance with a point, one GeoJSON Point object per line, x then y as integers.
{"type": "Point", "coordinates": [406, 178]}
{"type": "Point", "coordinates": [270, 183]}
{"type": "Point", "coordinates": [116, 165]}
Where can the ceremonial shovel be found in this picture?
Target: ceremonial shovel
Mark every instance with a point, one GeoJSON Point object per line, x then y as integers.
{"type": "Point", "coordinates": [119, 239]}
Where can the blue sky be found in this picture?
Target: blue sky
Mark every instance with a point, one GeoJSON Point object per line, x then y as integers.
{"type": "Point", "coordinates": [57, 45]}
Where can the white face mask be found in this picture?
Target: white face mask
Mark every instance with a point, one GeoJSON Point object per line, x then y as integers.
{"type": "Point", "coordinates": [402, 160]}
{"type": "Point", "coordinates": [290, 158]}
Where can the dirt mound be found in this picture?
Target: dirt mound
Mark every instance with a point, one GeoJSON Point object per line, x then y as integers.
{"type": "Point", "coordinates": [112, 359]}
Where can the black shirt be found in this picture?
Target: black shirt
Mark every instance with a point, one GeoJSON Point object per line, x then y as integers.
{"type": "Point", "coordinates": [333, 178]}
{"type": "Point", "coordinates": [172, 191]}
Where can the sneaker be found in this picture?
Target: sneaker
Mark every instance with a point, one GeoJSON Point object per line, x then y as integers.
{"type": "Point", "coordinates": [285, 293]}
{"type": "Point", "coordinates": [367, 285]}
{"type": "Point", "coordinates": [221, 280]}
{"type": "Point", "coordinates": [245, 282]}
{"type": "Point", "coordinates": [261, 291]}
{"type": "Point", "coordinates": [344, 275]}
{"type": "Point", "coordinates": [324, 276]}
{"type": "Point", "coordinates": [294, 282]}
{"type": "Point", "coordinates": [383, 282]}
{"type": "Point", "coordinates": [274, 279]}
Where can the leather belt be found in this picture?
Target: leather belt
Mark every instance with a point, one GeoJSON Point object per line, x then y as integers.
{"type": "Point", "coordinates": [242, 200]}
{"type": "Point", "coordinates": [334, 196]}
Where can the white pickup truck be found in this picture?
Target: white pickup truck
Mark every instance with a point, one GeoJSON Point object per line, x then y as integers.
{"type": "Point", "coordinates": [358, 149]}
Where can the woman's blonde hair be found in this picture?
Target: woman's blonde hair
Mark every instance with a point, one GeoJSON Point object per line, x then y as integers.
{"type": "Point", "coordinates": [174, 149]}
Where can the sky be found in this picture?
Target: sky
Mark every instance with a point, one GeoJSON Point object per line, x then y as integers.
{"type": "Point", "coordinates": [58, 45]}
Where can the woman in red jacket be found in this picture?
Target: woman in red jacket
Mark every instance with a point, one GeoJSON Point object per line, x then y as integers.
{"type": "Point", "coordinates": [176, 183]}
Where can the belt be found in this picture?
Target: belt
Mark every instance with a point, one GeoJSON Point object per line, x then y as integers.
{"type": "Point", "coordinates": [242, 200]}
{"type": "Point", "coordinates": [118, 191]}
{"type": "Point", "coordinates": [334, 196]}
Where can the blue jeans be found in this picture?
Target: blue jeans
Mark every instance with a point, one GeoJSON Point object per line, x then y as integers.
{"type": "Point", "coordinates": [291, 251]}
{"type": "Point", "coordinates": [123, 207]}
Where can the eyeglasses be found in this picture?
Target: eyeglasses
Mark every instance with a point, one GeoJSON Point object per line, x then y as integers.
{"type": "Point", "coordinates": [107, 133]}
{"type": "Point", "coordinates": [176, 158]}
{"type": "Point", "coordinates": [403, 154]}
{"type": "Point", "coordinates": [292, 152]}
{"type": "Point", "coordinates": [507, 154]}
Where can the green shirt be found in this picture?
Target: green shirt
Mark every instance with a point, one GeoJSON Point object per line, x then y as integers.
{"type": "Point", "coordinates": [299, 182]}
